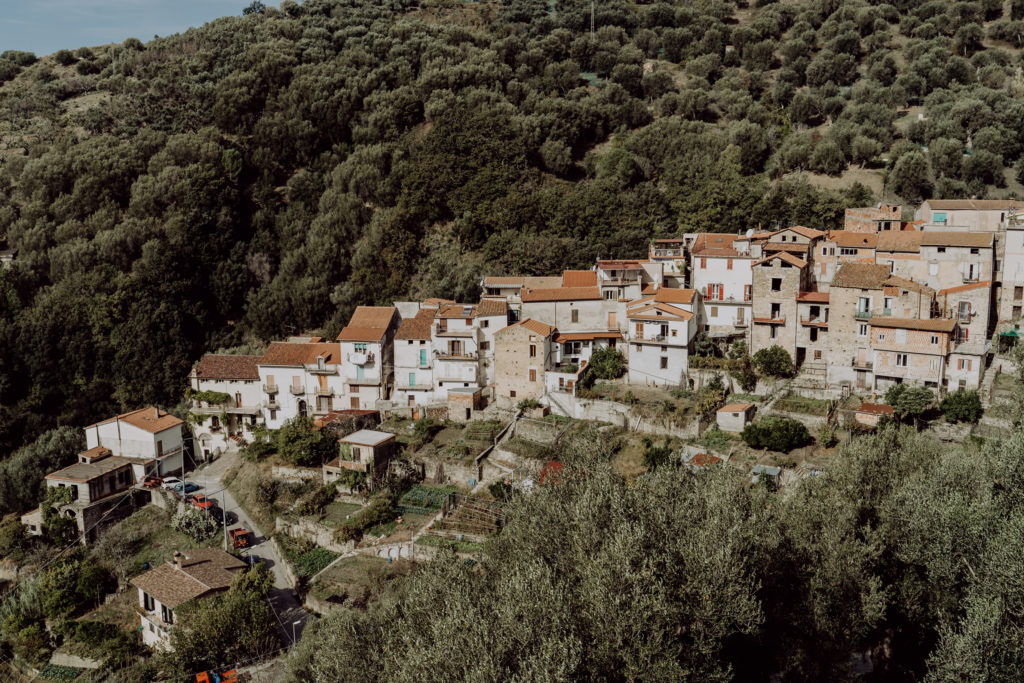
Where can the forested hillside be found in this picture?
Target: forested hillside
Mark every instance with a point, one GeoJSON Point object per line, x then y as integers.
{"type": "Point", "coordinates": [266, 173]}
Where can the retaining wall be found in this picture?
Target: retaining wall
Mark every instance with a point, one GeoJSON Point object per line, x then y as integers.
{"type": "Point", "coordinates": [299, 474]}
{"type": "Point", "coordinates": [289, 571]}
{"type": "Point", "coordinates": [314, 532]}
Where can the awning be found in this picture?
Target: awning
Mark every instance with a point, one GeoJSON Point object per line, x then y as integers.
{"type": "Point", "coordinates": [1010, 333]}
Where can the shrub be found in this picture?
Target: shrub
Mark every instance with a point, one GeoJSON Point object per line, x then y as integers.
{"type": "Point", "coordinates": [656, 456]}
{"type": "Point", "coordinates": [426, 427]}
{"type": "Point", "coordinates": [64, 57]}
{"type": "Point", "coordinates": [195, 524]}
{"type": "Point", "coordinates": [528, 404]}
{"type": "Point", "coordinates": [300, 444]}
{"type": "Point", "coordinates": [908, 401]}
{"type": "Point", "coordinates": [774, 361]}
{"type": "Point", "coordinates": [316, 503]}
{"type": "Point", "coordinates": [826, 435]}
{"type": "Point", "coordinates": [266, 492]}
{"type": "Point", "coordinates": [746, 377]}
{"type": "Point", "coordinates": [776, 434]}
{"type": "Point", "coordinates": [607, 363]}
{"type": "Point", "coordinates": [961, 406]}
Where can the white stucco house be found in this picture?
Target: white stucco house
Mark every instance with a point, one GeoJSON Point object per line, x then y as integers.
{"type": "Point", "coordinates": [217, 424]}
{"type": "Point", "coordinates": [659, 339]}
{"type": "Point", "coordinates": [150, 437]}
{"type": "Point", "coordinates": [300, 379]}
{"type": "Point", "coordinates": [367, 352]}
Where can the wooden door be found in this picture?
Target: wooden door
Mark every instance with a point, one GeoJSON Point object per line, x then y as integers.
{"type": "Point", "coordinates": [354, 403]}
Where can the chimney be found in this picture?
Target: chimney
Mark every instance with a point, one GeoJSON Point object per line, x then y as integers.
{"type": "Point", "coordinates": [177, 559]}
{"type": "Point", "coordinates": [156, 413]}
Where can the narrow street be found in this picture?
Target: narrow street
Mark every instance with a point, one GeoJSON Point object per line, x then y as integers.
{"type": "Point", "coordinates": [286, 606]}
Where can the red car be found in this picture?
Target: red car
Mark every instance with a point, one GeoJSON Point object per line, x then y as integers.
{"type": "Point", "coordinates": [201, 502]}
{"type": "Point", "coordinates": [152, 481]}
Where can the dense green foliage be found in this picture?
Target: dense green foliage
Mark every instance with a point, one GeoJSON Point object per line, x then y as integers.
{"type": "Point", "coordinates": [961, 406]}
{"type": "Point", "coordinates": [301, 444]}
{"type": "Point", "coordinates": [903, 547]}
{"type": "Point", "coordinates": [773, 361]}
{"type": "Point", "coordinates": [21, 475]}
{"type": "Point", "coordinates": [776, 434]}
{"type": "Point", "coordinates": [606, 363]}
{"type": "Point", "coordinates": [266, 173]}
{"type": "Point", "coordinates": [909, 401]}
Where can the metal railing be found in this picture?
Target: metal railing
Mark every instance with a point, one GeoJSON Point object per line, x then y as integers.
{"type": "Point", "coordinates": [296, 391]}
{"type": "Point", "coordinates": [863, 364]}
{"type": "Point", "coordinates": [862, 314]}
{"type": "Point", "coordinates": [270, 388]}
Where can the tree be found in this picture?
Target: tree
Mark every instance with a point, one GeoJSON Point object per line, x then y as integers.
{"type": "Point", "coordinates": [776, 434]}
{"type": "Point", "coordinates": [300, 444]}
{"type": "Point", "coordinates": [961, 405]}
{"type": "Point", "coordinates": [255, 7]}
{"type": "Point", "coordinates": [710, 397]}
{"type": "Point", "coordinates": [908, 401]}
{"type": "Point", "coordinates": [774, 361]}
{"type": "Point", "coordinates": [607, 363]}
{"type": "Point", "coordinates": [196, 524]}
{"type": "Point", "coordinates": [910, 177]}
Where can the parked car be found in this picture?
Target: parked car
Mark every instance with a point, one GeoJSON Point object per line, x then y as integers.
{"type": "Point", "coordinates": [186, 487]}
{"type": "Point", "coordinates": [152, 481]}
{"type": "Point", "coordinates": [169, 482]}
{"type": "Point", "coordinates": [240, 537]}
{"type": "Point", "coordinates": [201, 502]}
{"type": "Point", "coordinates": [222, 516]}
{"type": "Point", "coordinates": [230, 676]}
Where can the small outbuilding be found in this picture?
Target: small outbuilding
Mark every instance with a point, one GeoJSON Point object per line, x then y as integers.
{"type": "Point", "coordinates": [735, 416]}
{"type": "Point", "coordinates": [769, 473]}
{"type": "Point", "coordinates": [870, 413]}
{"type": "Point", "coordinates": [367, 451]}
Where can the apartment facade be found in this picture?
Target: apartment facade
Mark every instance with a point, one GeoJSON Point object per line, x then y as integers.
{"type": "Point", "coordinates": [778, 280]}
{"type": "Point", "coordinates": [721, 270]}
{"type": "Point", "coordinates": [524, 352]}
{"type": "Point", "coordinates": [237, 377]}
{"type": "Point", "coordinates": [300, 379]}
{"type": "Point", "coordinates": [659, 338]}
{"type": "Point", "coordinates": [150, 437]}
{"type": "Point", "coordinates": [367, 352]}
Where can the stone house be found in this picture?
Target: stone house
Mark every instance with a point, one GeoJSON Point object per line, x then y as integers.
{"type": "Point", "coordinates": [523, 352]}
{"type": "Point", "coordinates": [576, 306]}
{"type": "Point", "coordinates": [812, 310]}
{"type": "Point", "coordinates": [838, 247]}
{"type": "Point", "coordinates": [733, 417]}
{"type": "Point", "coordinates": [192, 575]}
{"type": "Point", "coordinates": [910, 350]}
{"type": "Point", "coordinates": [239, 378]}
{"type": "Point", "coordinates": [873, 219]}
{"type": "Point", "coordinates": [367, 354]}
{"type": "Point", "coordinates": [778, 279]}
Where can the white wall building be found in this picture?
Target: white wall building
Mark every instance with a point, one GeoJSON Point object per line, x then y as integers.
{"type": "Point", "coordinates": [149, 435]}
{"type": "Point", "coordinates": [300, 379]}
{"type": "Point", "coordinates": [239, 378]}
{"type": "Point", "coordinates": [414, 360]}
{"type": "Point", "coordinates": [367, 351]}
{"type": "Point", "coordinates": [720, 269]}
{"type": "Point", "coordinates": [659, 339]}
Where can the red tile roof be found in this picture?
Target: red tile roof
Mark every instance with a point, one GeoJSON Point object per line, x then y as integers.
{"type": "Point", "coordinates": [956, 239]}
{"type": "Point", "coordinates": [457, 311]}
{"type": "Point", "coordinates": [735, 407]}
{"type": "Point", "coordinates": [784, 256]}
{"type": "Point", "coordinates": [561, 294]}
{"type": "Point", "coordinates": [848, 238]}
{"type": "Point", "coordinates": [813, 297]}
{"type": "Point", "coordinates": [579, 278]}
{"type": "Point", "coordinates": [534, 326]}
{"type": "Point", "coordinates": [902, 241]}
{"type": "Point", "coordinates": [150, 419]}
{"type": "Point", "coordinates": [809, 233]}
{"type": "Point", "coordinates": [930, 325]}
{"type": "Point", "coordinates": [715, 244]}
{"type": "Point", "coordinates": [860, 276]}
{"type": "Point", "coordinates": [227, 366]}
{"type": "Point", "coordinates": [586, 336]}
{"type": "Point", "coordinates": [202, 571]}
{"type": "Point", "coordinates": [975, 204]}
{"type": "Point", "coordinates": [653, 311]}
{"type": "Point", "coordinates": [875, 408]}
{"type": "Point", "coordinates": [503, 281]}
{"type": "Point", "coordinates": [491, 307]}
{"type": "Point", "coordinates": [674, 296]}
{"type": "Point", "coordinates": [300, 353]}
{"type": "Point", "coordinates": [368, 324]}
{"type": "Point", "coordinates": [620, 264]}
{"type": "Point", "coordinates": [418, 326]}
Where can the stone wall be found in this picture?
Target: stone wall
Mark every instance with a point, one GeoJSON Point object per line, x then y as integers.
{"type": "Point", "coordinates": [289, 571]}
{"type": "Point", "coordinates": [299, 474]}
{"type": "Point", "coordinates": [314, 532]}
{"type": "Point", "coordinates": [540, 431]}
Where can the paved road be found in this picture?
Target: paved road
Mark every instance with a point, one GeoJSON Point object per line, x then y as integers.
{"type": "Point", "coordinates": [282, 598]}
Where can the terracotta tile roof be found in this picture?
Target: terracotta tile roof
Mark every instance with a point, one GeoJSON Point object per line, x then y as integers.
{"type": "Point", "coordinates": [579, 278]}
{"type": "Point", "coordinates": [368, 324]}
{"type": "Point", "coordinates": [634, 264]}
{"type": "Point", "coordinates": [965, 288]}
{"type": "Point", "coordinates": [418, 326]}
{"type": "Point", "coordinates": [956, 239]}
{"type": "Point", "coordinates": [543, 281]}
{"type": "Point", "coordinates": [931, 325]}
{"type": "Point", "coordinates": [735, 407]}
{"type": "Point", "coordinates": [202, 571]}
{"type": "Point", "coordinates": [651, 311]}
{"type": "Point", "coordinates": [809, 233]}
{"type": "Point", "coordinates": [902, 241]}
{"type": "Point", "coordinates": [534, 326]}
{"type": "Point", "coordinates": [668, 295]}
{"type": "Point", "coordinates": [294, 354]}
{"type": "Point", "coordinates": [586, 336]}
{"type": "Point", "coordinates": [813, 297]}
{"type": "Point", "coordinates": [227, 366]}
{"type": "Point", "coordinates": [875, 408]}
{"type": "Point", "coordinates": [909, 285]}
{"type": "Point", "coordinates": [150, 419]}
{"type": "Point", "coordinates": [784, 256]}
{"type": "Point", "coordinates": [976, 204]}
{"type": "Point", "coordinates": [561, 294]}
{"type": "Point", "coordinates": [457, 311]}
{"type": "Point", "coordinates": [491, 307]}
{"type": "Point", "coordinates": [715, 244]}
{"type": "Point", "coordinates": [860, 276]}
{"type": "Point", "coordinates": [434, 301]}
{"type": "Point", "coordinates": [503, 281]}
{"type": "Point", "coordinates": [670, 240]}
{"type": "Point", "coordinates": [703, 460]}
{"type": "Point", "coordinates": [847, 238]}
{"type": "Point", "coordinates": [792, 248]}
{"type": "Point", "coordinates": [86, 471]}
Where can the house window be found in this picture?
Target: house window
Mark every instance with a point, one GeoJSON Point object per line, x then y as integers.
{"type": "Point", "coordinates": [714, 311]}
{"type": "Point", "coordinates": [512, 394]}
{"type": "Point", "coordinates": [776, 284]}
{"type": "Point", "coordinates": [817, 355]}
{"type": "Point", "coordinates": [664, 363]}
{"type": "Point", "coordinates": [148, 603]}
{"type": "Point", "coordinates": [933, 268]}
{"type": "Point", "coordinates": [409, 342]}
{"type": "Point", "coordinates": [1016, 311]}
{"type": "Point", "coordinates": [965, 311]}
{"type": "Point", "coordinates": [703, 263]}
{"type": "Point", "coordinates": [485, 323]}
{"type": "Point", "coordinates": [847, 251]}
{"type": "Point", "coordinates": [609, 295]}
{"type": "Point", "coordinates": [273, 414]}
{"type": "Point", "coordinates": [674, 332]}
{"type": "Point", "coordinates": [933, 363]}
{"type": "Point", "coordinates": [935, 340]}
{"type": "Point", "coordinates": [774, 330]}
{"type": "Point", "coordinates": [533, 375]}
{"type": "Point", "coordinates": [166, 614]}
{"type": "Point", "coordinates": [575, 315]}
{"type": "Point", "coordinates": [360, 348]}
{"type": "Point", "coordinates": [533, 350]}
{"type": "Point", "coordinates": [901, 359]}
{"type": "Point", "coordinates": [1018, 293]}
{"type": "Point", "coordinates": [728, 264]}
{"type": "Point", "coordinates": [941, 250]}
{"type": "Point", "coordinates": [881, 336]}
{"type": "Point", "coordinates": [862, 330]}
{"type": "Point", "coordinates": [412, 379]}
{"type": "Point", "coordinates": [974, 251]}
{"type": "Point", "coordinates": [748, 292]}
{"type": "Point", "coordinates": [964, 364]}
{"type": "Point", "coordinates": [485, 346]}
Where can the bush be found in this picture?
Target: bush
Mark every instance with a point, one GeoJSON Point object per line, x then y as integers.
{"type": "Point", "coordinates": [300, 444]}
{"type": "Point", "coordinates": [656, 456]}
{"type": "Point", "coordinates": [607, 363]}
{"type": "Point", "coordinates": [64, 57]}
{"type": "Point", "coordinates": [746, 377]}
{"type": "Point", "coordinates": [909, 401]}
{"type": "Point", "coordinates": [528, 404]}
{"type": "Point", "coordinates": [961, 406]}
{"type": "Point", "coordinates": [315, 504]}
{"type": "Point", "coordinates": [826, 435]}
{"type": "Point", "coordinates": [195, 524]}
{"type": "Point", "coordinates": [774, 361]}
{"type": "Point", "coordinates": [776, 434]}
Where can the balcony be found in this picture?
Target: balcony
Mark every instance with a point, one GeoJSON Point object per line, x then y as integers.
{"type": "Point", "coordinates": [886, 311]}
{"type": "Point", "coordinates": [314, 369]}
{"type": "Point", "coordinates": [324, 391]}
{"type": "Point", "coordinates": [739, 323]}
{"type": "Point", "coordinates": [667, 253]}
{"type": "Point", "coordinates": [361, 358]}
{"type": "Point", "coordinates": [620, 281]}
{"type": "Point", "coordinates": [776, 320]}
{"type": "Point", "coordinates": [969, 279]}
{"type": "Point", "coordinates": [814, 321]}
{"type": "Point", "coordinates": [862, 314]}
{"type": "Point", "coordinates": [405, 386]}
{"type": "Point", "coordinates": [862, 364]}
{"type": "Point", "coordinates": [457, 356]}
{"type": "Point", "coordinates": [272, 404]}
{"type": "Point", "coordinates": [445, 331]}
{"type": "Point", "coordinates": [296, 391]}
{"type": "Point", "coordinates": [270, 388]}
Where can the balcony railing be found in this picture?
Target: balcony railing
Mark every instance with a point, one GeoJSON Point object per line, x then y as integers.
{"type": "Point", "coordinates": [272, 404]}
{"type": "Point", "coordinates": [457, 356]}
{"type": "Point", "coordinates": [776, 319]}
{"type": "Point", "coordinates": [970, 278]}
{"type": "Point", "coordinates": [814, 321]}
{"type": "Point", "coordinates": [270, 388]}
{"type": "Point", "coordinates": [739, 323]}
{"type": "Point", "coordinates": [886, 311]}
{"type": "Point", "coordinates": [324, 391]}
{"type": "Point", "coordinates": [405, 386]}
{"type": "Point", "coordinates": [296, 391]}
{"type": "Point", "coordinates": [862, 314]}
{"type": "Point", "coordinates": [314, 369]}
{"type": "Point", "coordinates": [670, 253]}
{"type": "Point", "coordinates": [863, 364]}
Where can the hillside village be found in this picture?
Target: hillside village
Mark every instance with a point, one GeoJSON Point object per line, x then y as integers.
{"type": "Point", "coordinates": [476, 394]}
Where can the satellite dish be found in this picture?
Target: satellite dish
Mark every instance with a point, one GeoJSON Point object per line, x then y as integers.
{"type": "Point", "coordinates": [750, 233]}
